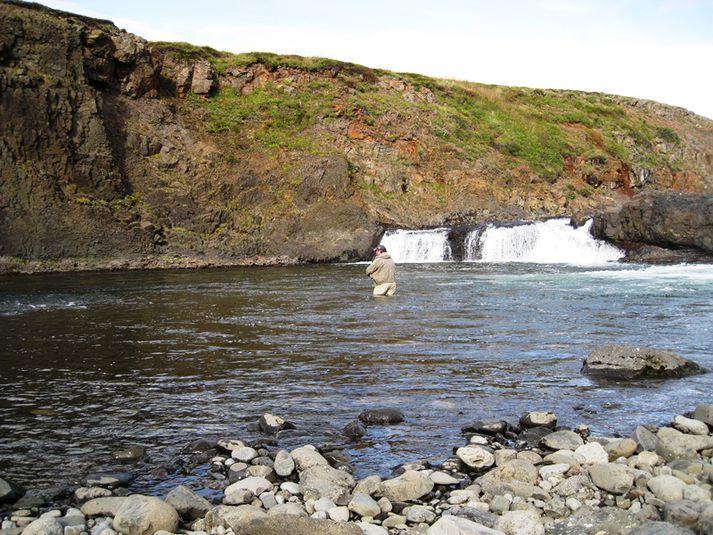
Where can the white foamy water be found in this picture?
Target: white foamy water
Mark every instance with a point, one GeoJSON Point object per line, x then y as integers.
{"type": "Point", "coordinates": [409, 246]}
{"type": "Point", "coordinates": [543, 242]}
{"type": "Point", "coordinates": [702, 273]}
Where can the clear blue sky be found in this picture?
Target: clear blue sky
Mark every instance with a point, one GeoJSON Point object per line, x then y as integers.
{"type": "Point", "coordinates": [656, 49]}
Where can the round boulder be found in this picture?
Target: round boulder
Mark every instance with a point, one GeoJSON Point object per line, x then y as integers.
{"type": "Point", "coordinates": [145, 515]}
{"type": "Point", "coordinates": [614, 478]}
{"type": "Point", "coordinates": [475, 456]}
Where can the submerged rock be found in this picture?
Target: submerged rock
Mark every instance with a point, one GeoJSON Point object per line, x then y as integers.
{"type": "Point", "coordinates": [629, 362]}
{"type": "Point", "coordinates": [382, 416]}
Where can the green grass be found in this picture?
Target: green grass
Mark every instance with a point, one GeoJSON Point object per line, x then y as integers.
{"type": "Point", "coordinates": [532, 127]}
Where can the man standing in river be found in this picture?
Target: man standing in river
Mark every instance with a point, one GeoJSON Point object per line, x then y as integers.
{"type": "Point", "coordinates": [383, 272]}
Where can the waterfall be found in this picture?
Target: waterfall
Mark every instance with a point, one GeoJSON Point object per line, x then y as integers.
{"type": "Point", "coordinates": [543, 242]}
{"type": "Point", "coordinates": [408, 246]}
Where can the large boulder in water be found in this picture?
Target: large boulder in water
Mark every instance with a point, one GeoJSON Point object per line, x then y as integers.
{"type": "Point", "coordinates": [629, 362]}
{"type": "Point", "coordinates": [672, 220]}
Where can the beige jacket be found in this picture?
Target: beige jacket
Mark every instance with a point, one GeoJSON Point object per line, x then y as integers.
{"type": "Point", "coordinates": [382, 269]}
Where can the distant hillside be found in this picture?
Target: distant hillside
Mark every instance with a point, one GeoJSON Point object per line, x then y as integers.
{"type": "Point", "coordinates": [116, 152]}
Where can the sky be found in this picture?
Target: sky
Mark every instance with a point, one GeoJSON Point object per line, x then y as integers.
{"type": "Point", "coordinates": [654, 49]}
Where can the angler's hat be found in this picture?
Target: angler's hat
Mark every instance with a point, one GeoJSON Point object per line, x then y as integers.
{"type": "Point", "coordinates": [380, 248]}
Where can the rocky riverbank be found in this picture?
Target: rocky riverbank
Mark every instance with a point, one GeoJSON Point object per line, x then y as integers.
{"type": "Point", "coordinates": [529, 478]}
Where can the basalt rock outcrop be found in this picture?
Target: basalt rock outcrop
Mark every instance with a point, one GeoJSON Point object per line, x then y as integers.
{"type": "Point", "coordinates": [118, 153]}
{"type": "Point", "coordinates": [630, 362]}
{"type": "Point", "coordinates": [663, 226]}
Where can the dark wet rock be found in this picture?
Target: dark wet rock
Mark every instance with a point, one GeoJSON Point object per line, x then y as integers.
{"type": "Point", "coordinates": [30, 500]}
{"type": "Point", "coordinates": [672, 220]}
{"type": "Point", "coordinates": [200, 445]}
{"type": "Point", "coordinates": [354, 430]}
{"type": "Point", "coordinates": [630, 362]}
{"type": "Point", "coordinates": [187, 503]}
{"type": "Point", "coordinates": [131, 454]}
{"type": "Point", "coordinates": [108, 479]}
{"type": "Point", "coordinates": [339, 458]}
{"type": "Point", "coordinates": [9, 491]}
{"type": "Point", "coordinates": [282, 524]}
{"type": "Point", "coordinates": [381, 416]}
{"type": "Point", "coordinates": [532, 437]}
{"type": "Point", "coordinates": [488, 427]}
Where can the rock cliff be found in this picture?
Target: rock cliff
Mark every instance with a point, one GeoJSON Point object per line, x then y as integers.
{"type": "Point", "coordinates": [116, 152]}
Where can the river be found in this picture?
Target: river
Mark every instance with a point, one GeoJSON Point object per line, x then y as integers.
{"type": "Point", "coordinates": [94, 362]}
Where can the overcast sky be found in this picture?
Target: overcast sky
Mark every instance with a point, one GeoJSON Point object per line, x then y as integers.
{"type": "Point", "coordinates": [656, 49]}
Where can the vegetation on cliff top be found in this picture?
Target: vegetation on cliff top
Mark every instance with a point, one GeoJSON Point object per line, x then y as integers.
{"type": "Point", "coordinates": [540, 129]}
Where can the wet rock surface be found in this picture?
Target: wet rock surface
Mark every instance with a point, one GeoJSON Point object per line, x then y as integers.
{"type": "Point", "coordinates": [629, 362]}
{"type": "Point", "coordinates": [669, 221]}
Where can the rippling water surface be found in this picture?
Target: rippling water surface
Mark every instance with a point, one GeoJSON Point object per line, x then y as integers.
{"type": "Point", "coordinates": [90, 363]}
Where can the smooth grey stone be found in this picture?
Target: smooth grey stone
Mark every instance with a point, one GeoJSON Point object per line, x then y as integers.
{"type": "Point", "coordinates": [187, 503]}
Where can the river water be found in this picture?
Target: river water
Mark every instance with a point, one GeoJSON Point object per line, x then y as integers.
{"type": "Point", "coordinates": [93, 362]}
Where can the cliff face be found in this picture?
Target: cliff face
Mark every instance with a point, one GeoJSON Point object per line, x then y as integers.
{"type": "Point", "coordinates": [112, 147]}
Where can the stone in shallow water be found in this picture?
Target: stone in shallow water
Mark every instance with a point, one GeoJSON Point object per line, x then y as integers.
{"type": "Point", "coordinates": [489, 427]}
{"type": "Point", "coordinates": [536, 419]}
{"type": "Point", "coordinates": [131, 454]}
{"type": "Point", "coordinates": [354, 430]}
{"type": "Point", "coordinates": [108, 479]}
{"type": "Point", "coordinates": [630, 362]}
{"type": "Point", "coordinates": [382, 416]}
{"type": "Point", "coordinates": [294, 525]}
{"type": "Point", "coordinates": [704, 413]}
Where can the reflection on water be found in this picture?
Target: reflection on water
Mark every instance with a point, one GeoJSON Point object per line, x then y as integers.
{"type": "Point", "coordinates": [91, 363]}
